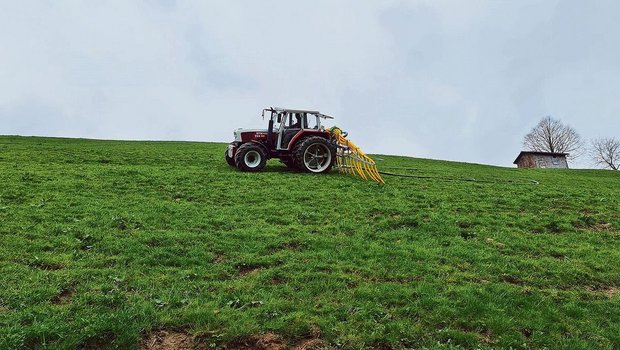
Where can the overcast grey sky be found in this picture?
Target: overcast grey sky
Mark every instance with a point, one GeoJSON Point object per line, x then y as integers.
{"type": "Point", "coordinates": [459, 80]}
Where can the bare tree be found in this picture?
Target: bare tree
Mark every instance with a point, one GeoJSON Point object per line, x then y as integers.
{"type": "Point", "coordinates": [551, 135]}
{"type": "Point", "coordinates": [606, 152]}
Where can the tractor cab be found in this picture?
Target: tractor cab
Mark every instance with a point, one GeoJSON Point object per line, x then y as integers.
{"type": "Point", "coordinates": [286, 124]}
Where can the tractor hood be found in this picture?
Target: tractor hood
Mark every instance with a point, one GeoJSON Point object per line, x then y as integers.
{"type": "Point", "coordinates": [250, 134]}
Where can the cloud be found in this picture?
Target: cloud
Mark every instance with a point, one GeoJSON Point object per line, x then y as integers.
{"type": "Point", "coordinates": [442, 79]}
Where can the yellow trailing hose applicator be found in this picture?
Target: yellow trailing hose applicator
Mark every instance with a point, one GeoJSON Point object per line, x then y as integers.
{"type": "Point", "coordinates": [351, 160]}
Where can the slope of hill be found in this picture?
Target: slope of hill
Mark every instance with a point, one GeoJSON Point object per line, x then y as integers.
{"type": "Point", "coordinates": [131, 244]}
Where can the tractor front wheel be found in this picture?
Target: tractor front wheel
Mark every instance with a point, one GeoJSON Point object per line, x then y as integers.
{"type": "Point", "coordinates": [315, 154]}
{"type": "Point", "coordinates": [250, 157]}
{"type": "Point", "coordinates": [229, 160]}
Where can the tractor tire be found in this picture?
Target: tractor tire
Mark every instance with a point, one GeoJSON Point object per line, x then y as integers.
{"type": "Point", "coordinates": [290, 163]}
{"type": "Point", "coordinates": [230, 161]}
{"type": "Point", "coordinates": [314, 154]}
{"type": "Point", "coordinates": [250, 157]}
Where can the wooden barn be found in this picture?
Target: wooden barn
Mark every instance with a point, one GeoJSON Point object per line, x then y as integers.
{"type": "Point", "coordinates": [532, 159]}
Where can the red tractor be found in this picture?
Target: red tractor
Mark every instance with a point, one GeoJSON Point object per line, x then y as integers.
{"type": "Point", "coordinates": [296, 137]}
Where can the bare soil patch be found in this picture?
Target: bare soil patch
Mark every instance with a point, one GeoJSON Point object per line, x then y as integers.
{"type": "Point", "coordinates": [512, 279]}
{"type": "Point", "coordinates": [611, 291]}
{"type": "Point", "coordinates": [63, 297]}
{"type": "Point", "coordinates": [313, 342]}
{"type": "Point", "coordinates": [47, 266]}
{"type": "Point", "coordinates": [293, 245]}
{"type": "Point", "coordinates": [271, 341]}
{"type": "Point", "coordinates": [310, 344]}
{"type": "Point", "coordinates": [278, 280]}
{"type": "Point", "coordinates": [486, 337]}
{"type": "Point", "coordinates": [603, 226]}
{"type": "Point", "coordinates": [218, 258]}
{"type": "Point", "coordinates": [267, 341]}
{"type": "Point", "coordinates": [169, 340]}
{"type": "Point", "coordinates": [249, 269]}
{"type": "Point", "coordinates": [608, 291]}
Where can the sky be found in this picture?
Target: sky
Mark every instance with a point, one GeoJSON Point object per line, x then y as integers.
{"type": "Point", "coordinates": [460, 80]}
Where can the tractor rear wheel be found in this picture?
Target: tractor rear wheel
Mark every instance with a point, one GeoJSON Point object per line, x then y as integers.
{"type": "Point", "coordinates": [315, 154]}
{"type": "Point", "coordinates": [250, 157]}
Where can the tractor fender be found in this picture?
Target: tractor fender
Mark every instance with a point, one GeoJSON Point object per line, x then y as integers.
{"type": "Point", "coordinates": [305, 133]}
{"type": "Point", "coordinates": [262, 145]}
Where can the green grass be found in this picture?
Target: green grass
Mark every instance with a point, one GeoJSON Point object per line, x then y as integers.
{"type": "Point", "coordinates": [104, 241]}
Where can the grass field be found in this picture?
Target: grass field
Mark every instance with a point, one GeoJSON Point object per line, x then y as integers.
{"type": "Point", "coordinates": [107, 244]}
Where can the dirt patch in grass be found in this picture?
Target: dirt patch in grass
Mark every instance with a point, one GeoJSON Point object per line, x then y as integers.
{"type": "Point", "coordinates": [587, 222]}
{"type": "Point", "coordinates": [495, 243]}
{"type": "Point", "coordinates": [47, 266]}
{"type": "Point", "coordinates": [603, 226]}
{"type": "Point", "coordinates": [218, 258]}
{"type": "Point", "coordinates": [608, 291]}
{"type": "Point", "coordinates": [486, 337]}
{"type": "Point", "coordinates": [271, 341]}
{"type": "Point", "coordinates": [268, 341]}
{"type": "Point", "coordinates": [293, 245]}
{"type": "Point", "coordinates": [310, 344]}
{"type": "Point", "coordinates": [512, 279]}
{"type": "Point", "coordinates": [252, 268]}
{"type": "Point", "coordinates": [557, 255]}
{"type": "Point", "coordinates": [249, 269]}
{"type": "Point", "coordinates": [169, 340]}
{"type": "Point", "coordinates": [275, 280]}
{"type": "Point", "coordinates": [63, 297]}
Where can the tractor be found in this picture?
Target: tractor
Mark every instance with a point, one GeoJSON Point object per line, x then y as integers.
{"type": "Point", "coordinates": [296, 137]}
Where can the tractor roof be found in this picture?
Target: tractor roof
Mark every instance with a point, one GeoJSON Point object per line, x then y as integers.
{"type": "Point", "coordinates": [287, 110]}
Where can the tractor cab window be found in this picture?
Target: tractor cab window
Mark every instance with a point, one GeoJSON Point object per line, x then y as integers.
{"type": "Point", "coordinates": [312, 122]}
{"type": "Point", "coordinates": [294, 121]}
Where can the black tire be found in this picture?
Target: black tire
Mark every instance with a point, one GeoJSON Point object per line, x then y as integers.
{"type": "Point", "coordinates": [324, 154]}
{"type": "Point", "coordinates": [230, 161]}
{"type": "Point", "coordinates": [290, 163]}
{"type": "Point", "coordinates": [250, 157]}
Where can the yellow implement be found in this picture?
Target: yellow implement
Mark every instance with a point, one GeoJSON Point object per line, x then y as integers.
{"type": "Point", "coordinates": [351, 160]}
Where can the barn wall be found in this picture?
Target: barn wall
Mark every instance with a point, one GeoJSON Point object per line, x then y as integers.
{"type": "Point", "coordinates": [542, 161]}
{"type": "Point", "coordinates": [527, 161]}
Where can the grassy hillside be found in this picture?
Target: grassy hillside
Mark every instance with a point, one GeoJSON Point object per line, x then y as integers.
{"type": "Point", "coordinates": [129, 244]}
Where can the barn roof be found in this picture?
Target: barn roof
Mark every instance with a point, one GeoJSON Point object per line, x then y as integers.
{"type": "Point", "coordinates": [537, 153]}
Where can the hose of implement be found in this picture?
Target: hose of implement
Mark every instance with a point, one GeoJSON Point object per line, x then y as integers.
{"type": "Point", "coordinates": [450, 178]}
{"type": "Point", "coordinates": [351, 159]}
